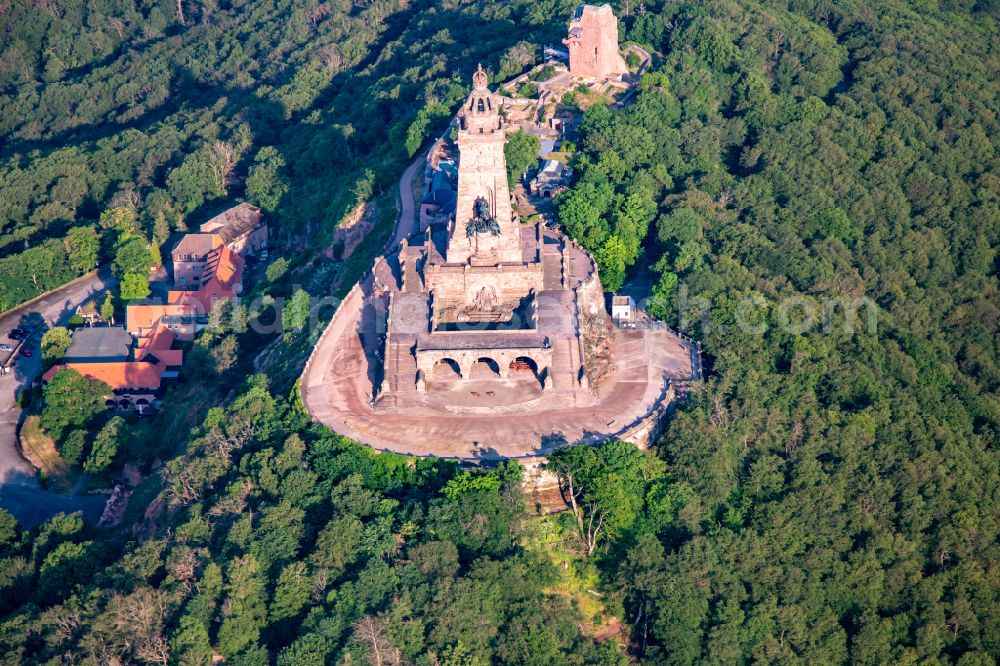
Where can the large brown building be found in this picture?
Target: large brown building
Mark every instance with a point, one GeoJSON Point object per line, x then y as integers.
{"type": "Point", "coordinates": [242, 228]}
{"type": "Point", "coordinates": [593, 43]}
{"type": "Point", "coordinates": [190, 258]}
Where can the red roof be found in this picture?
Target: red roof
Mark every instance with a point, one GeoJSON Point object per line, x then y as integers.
{"type": "Point", "coordinates": [160, 337]}
{"type": "Point", "coordinates": [170, 357]}
{"type": "Point", "coordinates": [118, 374]}
{"type": "Point", "coordinates": [222, 279]}
{"type": "Point", "coordinates": [158, 342]}
{"type": "Point", "coordinates": [142, 318]}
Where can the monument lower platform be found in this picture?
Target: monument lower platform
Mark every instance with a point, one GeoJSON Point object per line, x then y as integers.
{"type": "Point", "coordinates": [483, 416]}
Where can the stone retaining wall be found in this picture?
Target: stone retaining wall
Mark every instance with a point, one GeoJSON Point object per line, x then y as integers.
{"type": "Point", "coordinates": [354, 298]}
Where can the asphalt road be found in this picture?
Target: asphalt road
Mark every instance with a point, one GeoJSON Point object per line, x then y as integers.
{"type": "Point", "coordinates": [19, 490]}
{"type": "Point", "coordinates": [406, 222]}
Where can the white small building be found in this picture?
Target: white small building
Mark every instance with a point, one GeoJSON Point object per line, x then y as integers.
{"type": "Point", "coordinates": [622, 308]}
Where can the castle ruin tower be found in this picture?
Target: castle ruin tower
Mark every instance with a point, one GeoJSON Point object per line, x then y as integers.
{"type": "Point", "coordinates": [593, 43]}
{"type": "Point", "coordinates": [483, 231]}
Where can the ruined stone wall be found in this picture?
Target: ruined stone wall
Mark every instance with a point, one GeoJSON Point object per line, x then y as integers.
{"type": "Point", "coordinates": [593, 43]}
{"type": "Point", "coordinates": [541, 487]}
{"type": "Point", "coordinates": [595, 330]}
{"type": "Point", "coordinates": [591, 296]}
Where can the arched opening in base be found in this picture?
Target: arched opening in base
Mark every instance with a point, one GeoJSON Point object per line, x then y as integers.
{"type": "Point", "coordinates": [485, 368]}
{"type": "Point", "coordinates": [524, 366]}
{"type": "Point", "coordinates": [447, 369]}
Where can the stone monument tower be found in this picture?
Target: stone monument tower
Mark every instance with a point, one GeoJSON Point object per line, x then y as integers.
{"type": "Point", "coordinates": [593, 43]}
{"type": "Point", "coordinates": [483, 231]}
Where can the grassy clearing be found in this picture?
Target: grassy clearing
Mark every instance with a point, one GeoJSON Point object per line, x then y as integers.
{"type": "Point", "coordinates": [40, 450]}
{"type": "Point", "coordinates": [585, 97]}
{"type": "Point", "coordinates": [577, 578]}
{"type": "Point", "coordinates": [559, 156]}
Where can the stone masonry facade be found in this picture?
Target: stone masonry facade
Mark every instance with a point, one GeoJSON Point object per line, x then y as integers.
{"type": "Point", "coordinates": [482, 288]}
{"type": "Point", "coordinates": [593, 43]}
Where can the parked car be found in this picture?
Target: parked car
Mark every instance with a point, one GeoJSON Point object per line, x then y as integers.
{"type": "Point", "coordinates": [5, 347]}
{"type": "Point", "coordinates": [18, 334]}
{"type": "Point", "coordinates": [25, 352]}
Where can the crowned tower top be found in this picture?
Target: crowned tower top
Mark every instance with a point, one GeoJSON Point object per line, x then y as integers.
{"type": "Point", "coordinates": [481, 112]}
{"type": "Point", "coordinates": [479, 80]}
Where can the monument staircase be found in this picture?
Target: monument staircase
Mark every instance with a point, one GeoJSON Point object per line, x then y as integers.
{"type": "Point", "coordinates": [400, 376]}
{"type": "Point", "coordinates": [566, 364]}
{"type": "Point", "coordinates": [411, 277]}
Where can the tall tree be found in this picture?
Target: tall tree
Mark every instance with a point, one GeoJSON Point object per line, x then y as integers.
{"type": "Point", "coordinates": [72, 400]}
{"type": "Point", "coordinates": [105, 445]}
{"type": "Point", "coordinates": [82, 246]}
{"type": "Point", "coordinates": [604, 487]}
{"type": "Point", "coordinates": [55, 342]}
{"type": "Point", "coordinates": [521, 153]}
{"type": "Point", "coordinates": [267, 183]}
{"type": "Point", "coordinates": [134, 286]}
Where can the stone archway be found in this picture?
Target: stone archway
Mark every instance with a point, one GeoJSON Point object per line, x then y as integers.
{"type": "Point", "coordinates": [522, 366]}
{"type": "Point", "coordinates": [485, 367]}
{"type": "Point", "coordinates": [530, 366]}
{"type": "Point", "coordinates": [446, 369]}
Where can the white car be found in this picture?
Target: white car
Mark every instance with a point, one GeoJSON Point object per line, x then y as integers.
{"type": "Point", "coordinates": [5, 347]}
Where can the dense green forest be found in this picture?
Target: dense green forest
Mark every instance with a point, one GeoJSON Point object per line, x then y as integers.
{"type": "Point", "coordinates": [844, 477]}
{"type": "Point", "coordinates": [828, 495]}
{"type": "Point", "coordinates": [112, 104]}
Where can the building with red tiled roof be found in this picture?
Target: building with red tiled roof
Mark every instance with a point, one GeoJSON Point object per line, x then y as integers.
{"type": "Point", "coordinates": [136, 368]}
{"type": "Point", "coordinates": [223, 277]}
{"type": "Point", "coordinates": [183, 318]}
{"type": "Point", "coordinates": [222, 280]}
{"type": "Point", "coordinates": [119, 375]}
{"type": "Point", "coordinates": [219, 277]}
{"type": "Point", "coordinates": [137, 360]}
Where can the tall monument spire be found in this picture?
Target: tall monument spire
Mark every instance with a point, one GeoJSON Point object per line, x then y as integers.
{"type": "Point", "coordinates": [484, 231]}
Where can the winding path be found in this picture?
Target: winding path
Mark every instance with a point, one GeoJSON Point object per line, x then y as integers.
{"type": "Point", "coordinates": [406, 221]}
